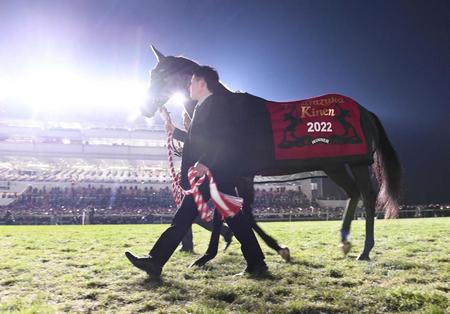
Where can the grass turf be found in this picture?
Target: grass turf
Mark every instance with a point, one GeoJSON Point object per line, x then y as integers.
{"type": "Point", "coordinates": [48, 269]}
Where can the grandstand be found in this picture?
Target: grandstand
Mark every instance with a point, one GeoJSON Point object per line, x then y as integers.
{"type": "Point", "coordinates": [65, 140]}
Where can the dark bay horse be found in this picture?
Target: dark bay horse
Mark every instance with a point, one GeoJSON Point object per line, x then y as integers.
{"type": "Point", "coordinates": [258, 120]}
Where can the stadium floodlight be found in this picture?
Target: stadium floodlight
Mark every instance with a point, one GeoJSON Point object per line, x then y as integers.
{"type": "Point", "coordinates": [62, 90]}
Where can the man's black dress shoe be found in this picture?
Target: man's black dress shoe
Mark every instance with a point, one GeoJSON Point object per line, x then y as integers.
{"type": "Point", "coordinates": [257, 270]}
{"type": "Point", "coordinates": [146, 264]}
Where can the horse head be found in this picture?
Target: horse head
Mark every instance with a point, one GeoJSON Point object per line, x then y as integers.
{"type": "Point", "coordinates": [171, 75]}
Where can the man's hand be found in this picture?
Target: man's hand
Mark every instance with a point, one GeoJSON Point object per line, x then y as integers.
{"type": "Point", "coordinates": [165, 114]}
{"type": "Point", "coordinates": [200, 168]}
{"type": "Point", "coordinates": [168, 121]}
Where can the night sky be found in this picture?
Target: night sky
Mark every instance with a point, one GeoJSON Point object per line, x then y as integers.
{"type": "Point", "coordinates": [393, 57]}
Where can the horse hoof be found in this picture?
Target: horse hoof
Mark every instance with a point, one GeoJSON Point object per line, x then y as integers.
{"type": "Point", "coordinates": [346, 246]}
{"type": "Point", "coordinates": [202, 261]}
{"type": "Point", "coordinates": [227, 245]}
{"type": "Point", "coordinates": [285, 254]}
{"type": "Point", "coordinates": [197, 264]}
{"type": "Point", "coordinates": [363, 257]}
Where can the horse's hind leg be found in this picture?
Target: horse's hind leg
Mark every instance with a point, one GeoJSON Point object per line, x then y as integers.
{"type": "Point", "coordinates": [247, 192]}
{"type": "Point", "coordinates": [362, 178]}
{"type": "Point", "coordinates": [213, 246]}
{"type": "Point", "coordinates": [284, 252]}
{"type": "Point", "coordinates": [341, 176]}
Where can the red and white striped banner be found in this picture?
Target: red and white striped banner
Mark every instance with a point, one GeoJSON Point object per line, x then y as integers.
{"type": "Point", "coordinates": [227, 205]}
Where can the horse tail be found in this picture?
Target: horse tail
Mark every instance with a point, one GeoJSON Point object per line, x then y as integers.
{"type": "Point", "coordinates": [388, 172]}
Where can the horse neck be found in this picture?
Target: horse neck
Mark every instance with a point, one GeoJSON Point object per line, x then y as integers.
{"type": "Point", "coordinates": [221, 89]}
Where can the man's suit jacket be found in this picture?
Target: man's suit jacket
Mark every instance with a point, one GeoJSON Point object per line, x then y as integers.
{"type": "Point", "coordinates": [209, 140]}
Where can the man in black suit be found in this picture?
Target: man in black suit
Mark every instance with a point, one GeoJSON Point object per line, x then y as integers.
{"type": "Point", "coordinates": [187, 243]}
{"type": "Point", "coordinates": [209, 144]}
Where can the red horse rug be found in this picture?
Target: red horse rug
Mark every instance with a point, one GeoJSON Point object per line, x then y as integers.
{"type": "Point", "coordinates": [320, 127]}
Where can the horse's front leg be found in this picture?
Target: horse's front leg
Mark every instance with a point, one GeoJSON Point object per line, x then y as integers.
{"type": "Point", "coordinates": [213, 246]}
{"type": "Point", "coordinates": [341, 176]}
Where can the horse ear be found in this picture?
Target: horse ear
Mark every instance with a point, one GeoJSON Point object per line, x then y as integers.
{"type": "Point", "coordinates": [158, 54]}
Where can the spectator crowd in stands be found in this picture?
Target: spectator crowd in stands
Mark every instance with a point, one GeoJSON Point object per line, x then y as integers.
{"type": "Point", "coordinates": [57, 203]}
{"type": "Point", "coordinates": [144, 204]}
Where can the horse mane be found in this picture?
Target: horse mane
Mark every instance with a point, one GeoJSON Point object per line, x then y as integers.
{"type": "Point", "coordinates": [180, 65]}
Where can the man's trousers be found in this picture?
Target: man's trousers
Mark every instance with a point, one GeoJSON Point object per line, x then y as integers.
{"type": "Point", "coordinates": [185, 216]}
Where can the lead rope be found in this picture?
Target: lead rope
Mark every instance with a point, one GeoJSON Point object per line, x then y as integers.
{"type": "Point", "coordinates": [227, 205]}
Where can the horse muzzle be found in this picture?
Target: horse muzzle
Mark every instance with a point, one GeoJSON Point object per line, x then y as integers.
{"type": "Point", "coordinates": [151, 106]}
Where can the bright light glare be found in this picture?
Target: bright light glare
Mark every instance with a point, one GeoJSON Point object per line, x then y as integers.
{"type": "Point", "coordinates": [64, 90]}
{"type": "Point", "coordinates": [178, 99]}
{"type": "Point", "coordinates": [133, 115]}
{"type": "Point", "coordinates": [6, 87]}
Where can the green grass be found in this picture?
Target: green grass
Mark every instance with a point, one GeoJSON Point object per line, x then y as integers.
{"type": "Point", "coordinates": [82, 269]}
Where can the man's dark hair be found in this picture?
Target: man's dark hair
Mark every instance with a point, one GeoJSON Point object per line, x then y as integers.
{"type": "Point", "coordinates": [210, 76]}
